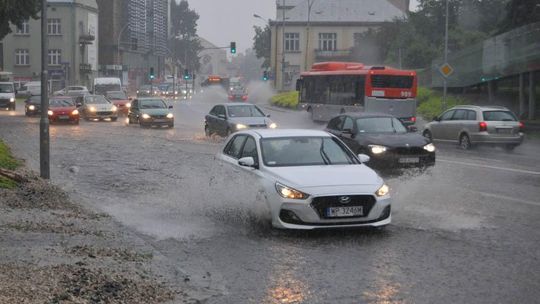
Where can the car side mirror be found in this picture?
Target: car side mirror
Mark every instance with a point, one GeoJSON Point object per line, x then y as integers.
{"type": "Point", "coordinates": [363, 158]}
{"type": "Point", "coordinates": [130, 98]}
{"type": "Point", "coordinates": [436, 118]}
{"type": "Point", "coordinates": [170, 106]}
{"type": "Point", "coordinates": [247, 162]}
{"type": "Point", "coordinates": [412, 129]}
{"type": "Point", "coordinates": [268, 115]}
{"type": "Point", "coordinates": [78, 104]}
{"type": "Point", "coordinates": [222, 116]}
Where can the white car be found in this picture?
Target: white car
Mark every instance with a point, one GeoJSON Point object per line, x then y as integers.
{"type": "Point", "coordinates": [311, 179]}
{"type": "Point", "coordinates": [72, 91]}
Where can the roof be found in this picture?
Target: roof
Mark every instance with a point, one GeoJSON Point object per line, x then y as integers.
{"type": "Point", "coordinates": [345, 11]}
{"type": "Point", "coordinates": [275, 133]}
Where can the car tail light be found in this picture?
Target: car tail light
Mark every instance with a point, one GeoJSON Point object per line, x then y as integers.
{"type": "Point", "coordinates": [244, 98]}
{"type": "Point", "coordinates": [413, 119]}
{"type": "Point", "coordinates": [231, 97]}
{"type": "Point", "coordinates": [482, 126]}
{"type": "Point", "coordinates": [521, 126]}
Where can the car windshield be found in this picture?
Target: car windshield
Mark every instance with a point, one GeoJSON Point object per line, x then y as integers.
{"type": "Point", "coordinates": [117, 95]}
{"type": "Point", "coordinates": [380, 125]}
{"type": "Point", "coordinates": [60, 103]}
{"type": "Point", "coordinates": [6, 88]}
{"type": "Point", "coordinates": [34, 100]}
{"type": "Point", "coordinates": [164, 87]}
{"type": "Point", "coordinates": [76, 89]}
{"type": "Point", "coordinates": [245, 111]}
{"type": "Point", "coordinates": [499, 116]}
{"type": "Point", "coordinates": [152, 104]}
{"type": "Point", "coordinates": [96, 100]}
{"type": "Point", "coordinates": [304, 151]}
{"type": "Point", "coordinates": [145, 87]}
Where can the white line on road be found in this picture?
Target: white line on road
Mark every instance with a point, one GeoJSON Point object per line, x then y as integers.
{"type": "Point", "coordinates": [507, 198]}
{"type": "Point", "coordinates": [488, 167]}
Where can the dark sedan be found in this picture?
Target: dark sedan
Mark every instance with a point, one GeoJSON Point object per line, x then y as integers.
{"type": "Point", "coordinates": [148, 112]}
{"type": "Point", "coordinates": [32, 106]}
{"type": "Point", "coordinates": [384, 138]}
{"type": "Point", "coordinates": [225, 119]}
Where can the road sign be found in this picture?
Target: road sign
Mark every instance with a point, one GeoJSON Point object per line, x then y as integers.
{"type": "Point", "coordinates": [446, 70]}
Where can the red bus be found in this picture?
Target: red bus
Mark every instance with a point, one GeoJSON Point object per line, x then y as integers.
{"type": "Point", "coordinates": [331, 88]}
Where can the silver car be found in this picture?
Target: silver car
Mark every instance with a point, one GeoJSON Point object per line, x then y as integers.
{"type": "Point", "coordinates": [471, 125]}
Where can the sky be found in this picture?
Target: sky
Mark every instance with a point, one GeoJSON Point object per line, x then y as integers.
{"type": "Point", "coordinates": [224, 21]}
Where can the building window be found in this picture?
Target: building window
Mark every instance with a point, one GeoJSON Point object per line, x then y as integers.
{"type": "Point", "coordinates": [55, 57]}
{"type": "Point", "coordinates": [54, 27]}
{"type": "Point", "coordinates": [358, 39]}
{"type": "Point", "coordinates": [24, 29]}
{"type": "Point", "coordinates": [327, 41]}
{"type": "Point", "coordinates": [22, 57]}
{"type": "Point", "coordinates": [292, 42]}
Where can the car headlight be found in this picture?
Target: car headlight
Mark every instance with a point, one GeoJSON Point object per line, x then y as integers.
{"type": "Point", "coordinates": [31, 108]}
{"type": "Point", "coordinates": [145, 116]}
{"type": "Point", "coordinates": [272, 125]}
{"type": "Point", "coordinates": [50, 112]}
{"type": "Point", "coordinates": [170, 115]}
{"type": "Point", "coordinates": [92, 109]}
{"type": "Point", "coordinates": [128, 105]}
{"type": "Point", "coordinates": [240, 126]}
{"type": "Point", "coordinates": [12, 99]}
{"type": "Point", "coordinates": [75, 112]}
{"type": "Point", "coordinates": [137, 91]}
{"type": "Point", "coordinates": [287, 192]}
{"type": "Point", "coordinates": [376, 149]}
{"type": "Point", "coordinates": [429, 147]}
{"type": "Point", "coordinates": [114, 108]}
{"type": "Point", "coordinates": [175, 92]}
{"type": "Point", "coordinates": [383, 190]}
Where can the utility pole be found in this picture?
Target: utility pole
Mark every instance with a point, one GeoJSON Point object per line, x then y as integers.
{"type": "Point", "coordinates": [283, 49]}
{"type": "Point", "coordinates": [445, 81]}
{"type": "Point", "coordinates": [44, 146]}
{"type": "Point", "coordinates": [308, 30]}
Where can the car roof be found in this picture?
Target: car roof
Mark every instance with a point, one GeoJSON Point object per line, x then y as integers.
{"type": "Point", "coordinates": [149, 98]}
{"type": "Point", "coordinates": [367, 114]}
{"type": "Point", "coordinates": [482, 108]}
{"type": "Point", "coordinates": [237, 104]}
{"type": "Point", "coordinates": [276, 133]}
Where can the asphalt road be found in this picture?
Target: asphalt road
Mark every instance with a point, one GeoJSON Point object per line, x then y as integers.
{"type": "Point", "coordinates": [465, 231]}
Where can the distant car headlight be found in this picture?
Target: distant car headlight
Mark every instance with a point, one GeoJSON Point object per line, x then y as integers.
{"type": "Point", "coordinates": [31, 108]}
{"type": "Point", "coordinates": [114, 108]}
{"type": "Point", "coordinates": [429, 147]}
{"type": "Point", "coordinates": [145, 116]}
{"type": "Point", "coordinates": [272, 125]}
{"type": "Point", "coordinates": [383, 190]}
{"type": "Point", "coordinates": [92, 109]}
{"type": "Point", "coordinates": [50, 112]}
{"type": "Point", "coordinates": [12, 99]}
{"type": "Point", "coordinates": [240, 126]}
{"type": "Point", "coordinates": [170, 115]}
{"type": "Point", "coordinates": [287, 192]}
{"type": "Point", "coordinates": [137, 91]}
{"type": "Point", "coordinates": [75, 112]}
{"type": "Point", "coordinates": [376, 149]}
{"type": "Point", "coordinates": [175, 92]}
{"type": "Point", "coordinates": [128, 105]}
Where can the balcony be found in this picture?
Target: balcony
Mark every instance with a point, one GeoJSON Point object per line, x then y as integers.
{"type": "Point", "coordinates": [335, 55]}
{"type": "Point", "coordinates": [85, 39]}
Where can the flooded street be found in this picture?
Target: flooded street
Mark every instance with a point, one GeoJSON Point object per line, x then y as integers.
{"type": "Point", "coordinates": [468, 226]}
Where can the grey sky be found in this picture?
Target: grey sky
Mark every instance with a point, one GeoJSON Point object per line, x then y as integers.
{"type": "Point", "coordinates": [224, 21]}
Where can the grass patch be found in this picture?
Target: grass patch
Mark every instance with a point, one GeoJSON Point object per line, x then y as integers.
{"type": "Point", "coordinates": [286, 100]}
{"type": "Point", "coordinates": [7, 162]}
{"type": "Point", "coordinates": [430, 103]}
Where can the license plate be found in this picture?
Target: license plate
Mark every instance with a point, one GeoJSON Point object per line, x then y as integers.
{"type": "Point", "coordinates": [344, 211]}
{"type": "Point", "coordinates": [409, 160]}
{"type": "Point", "coordinates": [504, 131]}
{"type": "Point", "coordinates": [63, 117]}
{"type": "Point", "coordinates": [160, 120]}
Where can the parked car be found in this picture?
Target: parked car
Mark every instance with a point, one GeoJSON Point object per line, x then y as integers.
{"type": "Point", "coordinates": [384, 139]}
{"type": "Point", "coordinates": [31, 88]}
{"type": "Point", "coordinates": [120, 100]}
{"type": "Point", "coordinates": [472, 125]}
{"type": "Point", "coordinates": [63, 109]}
{"type": "Point", "coordinates": [72, 90]}
{"type": "Point", "coordinates": [7, 96]}
{"type": "Point", "coordinates": [310, 179]}
{"type": "Point", "coordinates": [148, 112]}
{"type": "Point", "coordinates": [225, 119]}
{"type": "Point", "coordinates": [32, 106]}
{"type": "Point", "coordinates": [97, 107]}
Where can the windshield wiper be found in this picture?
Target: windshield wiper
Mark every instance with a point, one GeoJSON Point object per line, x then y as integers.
{"type": "Point", "coordinates": [394, 128]}
{"type": "Point", "coordinates": [324, 156]}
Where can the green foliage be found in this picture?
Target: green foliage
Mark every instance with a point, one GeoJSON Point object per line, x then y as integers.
{"type": "Point", "coordinates": [7, 162]}
{"type": "Point", "coordinates": [261, 44]}
{"type": "Point", "coordinates": [184, 41]}
{"type": "Point", "coordinates": [16, 12]}
{"type": "Point", "coordinates": [430, 103]}
{"type": "Point", "coordinates": [286, 99]}
{"type": "Point", "coordinates": [519, 13]}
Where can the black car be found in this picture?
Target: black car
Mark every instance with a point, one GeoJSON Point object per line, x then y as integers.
{"type": "Point", "coordinates": [384, 138]}
{"type": "Point", "coordinates": [32, 106]}
{"type": "Point", "coordinates": [148, 112]}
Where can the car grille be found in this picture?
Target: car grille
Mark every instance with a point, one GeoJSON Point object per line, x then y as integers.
{"type": "Point", "coordinates": [104, 113]}
{"type": "Point", "coordinates": [257, 126]}
{"type": "Point", "coordinates": [4, 102]}
{"type": "Point", "coordinates": [159, 116]}
{"type": "Point", "coordinates": [410, 151]}
{"type": "Point", "coordinates": [321, 203]}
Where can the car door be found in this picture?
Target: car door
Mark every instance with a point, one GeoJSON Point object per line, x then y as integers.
{"type": "Point", "coordinates": [211, 120]}
{"type": "Point", "coordinates": [335, 124]}
{"type": "Point", "coordinates": [133, 113]}
{"type": "Point", "coordinates": [456, 124]}
{"type": "Point", "coordinates": [233, 149]}
{"type": "Point", "coordinates": [438, 128]}
{"type": "Point", "coordinates": [348, 134]}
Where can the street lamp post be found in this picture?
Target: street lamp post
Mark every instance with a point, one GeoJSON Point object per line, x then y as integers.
{"type": "Point", "coordinates": [44, 144]}
{"type": "Point", "coordinates": [118, 43]}
{"type": "Point", "coordinates": [445, 81]}
{"type": "Point", "coordinates": [308, 30]}
{"type": "Point", "coordinates": [283, 48]}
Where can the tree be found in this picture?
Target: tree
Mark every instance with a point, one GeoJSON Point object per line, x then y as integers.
{"type": "Point", "coordinates": [519, 13]}
{"type": "Point", "coordinates": [16, 12]}
{"type": "Point", "coordinates": [185, 42]}
{"type": "Point", "coordinates": [261, 44]}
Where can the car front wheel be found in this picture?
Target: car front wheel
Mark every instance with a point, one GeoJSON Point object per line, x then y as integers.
{"type": "Point", "coordinates": [464, 142]}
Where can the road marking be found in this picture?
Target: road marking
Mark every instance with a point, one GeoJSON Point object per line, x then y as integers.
{"type": "Point", "coordinates": [488, 167]}
{"type": "Point", "coordinates": [507, 198]}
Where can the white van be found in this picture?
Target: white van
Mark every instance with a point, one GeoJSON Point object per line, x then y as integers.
{"type": "Point", "coordinates": [31, 88]}
{"type": "Point", "coordinates": [102, 85]}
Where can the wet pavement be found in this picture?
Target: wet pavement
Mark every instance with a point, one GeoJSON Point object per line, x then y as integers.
{"type": "Point", "coordinates": [464, 231]}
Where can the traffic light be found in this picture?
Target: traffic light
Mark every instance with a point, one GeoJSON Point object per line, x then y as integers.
{"type": "Point", "coordinates": [233, 47]}
{"type": "Point", "coordinates": [186, 74]}
{"type": "Point", "coordinates": [265, 75]}
{"type": "Point", "coordinates": [152, 75]}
